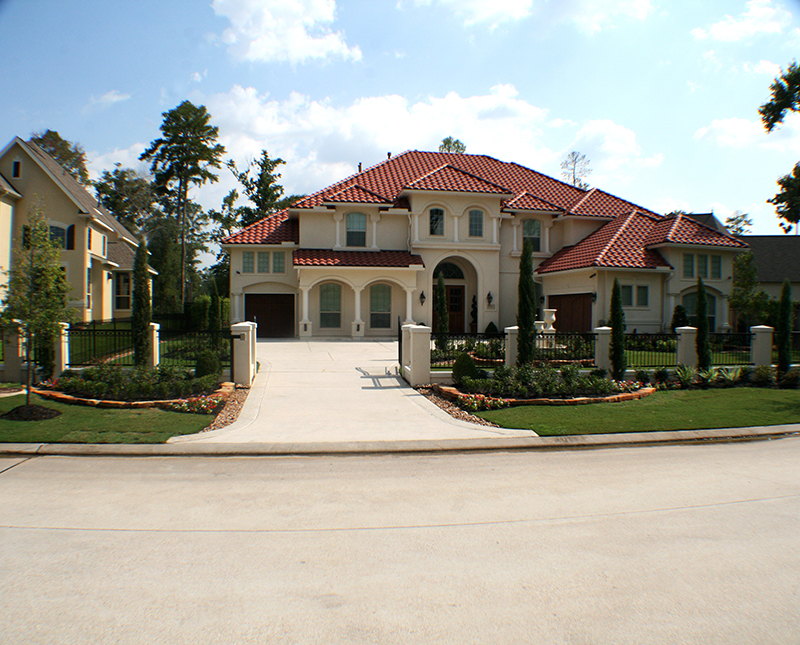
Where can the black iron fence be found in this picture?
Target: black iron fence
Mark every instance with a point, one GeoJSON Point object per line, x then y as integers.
{"type": "Point", "coordinates": [730, 349]}
{"type": "Point", "coordinates": [181, 348]}
{"type": "Point", "coordinates": [565, 347]}
{"type": "Point", "coordinates": [488, 350]}
{"type": "Point", "coordinates": [651, 350]}
{"type": "Point", "coordinates": [92, 345]}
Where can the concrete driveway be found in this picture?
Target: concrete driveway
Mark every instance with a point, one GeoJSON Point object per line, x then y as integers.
{"type": "Point", "coordinates": [337, 391]}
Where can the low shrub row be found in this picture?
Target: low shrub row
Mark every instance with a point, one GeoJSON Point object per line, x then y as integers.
{"type": "Point", "coordinates": [137, 384]}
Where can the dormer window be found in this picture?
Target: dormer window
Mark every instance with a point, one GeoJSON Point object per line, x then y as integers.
{"type": "Point", "coordinates": [532, 230]}
{"type": "Point", "coordinates": [436, 222]}
{"type": "Point", "coordinates": [356, 229]}
{"type": "Point", "coordinates": [476, 223]}
{"type": "Point", "coordinates": [16, 169]}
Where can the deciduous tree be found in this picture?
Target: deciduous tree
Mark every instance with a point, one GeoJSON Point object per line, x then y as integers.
{"type": "Point", "coordinates": [37, 289]}
{"type": "Point", "coordinates": [70, 155]}
{"type": "Point", "coordinates": [785, 91]}
{"type": "Point", "coordinates": [747, 300]}
{"type": "Point", "coordinates": [126, 195]}
{"type": "Point", "coordinates": [451, 144]}
{"type": "Point", "coordinates": [738, 223]}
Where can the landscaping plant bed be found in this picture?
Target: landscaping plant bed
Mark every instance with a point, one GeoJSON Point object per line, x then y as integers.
{"type": "Point", "coordinates": [222, 393]}
{"type": "Point", "coordinates": [453, 394]}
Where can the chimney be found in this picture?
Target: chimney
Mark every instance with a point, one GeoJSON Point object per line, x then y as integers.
{"type": "Point", "coordinates": [388, 155]}
{"type": "Point", "coordinates": [359, 166]}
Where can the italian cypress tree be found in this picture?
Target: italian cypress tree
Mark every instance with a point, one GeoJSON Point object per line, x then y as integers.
{"type": "Point", "coordinates": [141, 313]}
{"type": "Point", "coordinates": [442, 316]}
{"type": "Point", "coordinates": [617, 350]}
{"type": "Point", "coordinates": [784, 326]}
{"type": "Point", "coordinates": [703, 344]}
{"type": "Point", "coordinates": [526, 307]}
{"type": "Point", "coordinates": [215, 313]}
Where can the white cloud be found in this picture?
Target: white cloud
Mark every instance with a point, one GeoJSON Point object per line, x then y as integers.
{"type": "Point", "coordinates": [760, 17]}
{"type": "Point", "coordinates": [765, 67]}
{"type": "Point", "coordinates": [613, 152]}
{"type": "Point", "coordinates": [493, 12]}
{"type": "Point", "coordinates": [710, 61]}
{"type": "Point", "coordinates": [106, 100]}
{"type": "Point", "coordinates": [283, 30]}
{"type": "Point", "coordinates": [127, 157]}
{"type": "Point", "coordinates": [733, 133]}
{"type": "Point", "coordinates": [589, 16]}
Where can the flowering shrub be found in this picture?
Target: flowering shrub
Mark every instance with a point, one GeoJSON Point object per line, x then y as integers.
{"type": "Point", "coordinates": [628, 386]}
{"type": "Point", "coordinates": [477, 402]}
{"type": "Point", "coordinates": [197, 405]}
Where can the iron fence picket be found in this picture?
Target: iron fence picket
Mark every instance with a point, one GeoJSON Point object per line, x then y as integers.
{"type": "Point", "coordinates": [651, 350]}
{"type": "Point", "coordinates": [486, 349]}
{"type": "Point", "coordinates": [730, 348]}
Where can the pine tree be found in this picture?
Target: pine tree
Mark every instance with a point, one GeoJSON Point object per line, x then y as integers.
{"type": "Point", "coordinates": [619, 362]}
{"type": "Point", "coordinates": [526, 307]}
{"type": "Point", "coordinates": [783, 337]}
{"type": "Point", "coordinates": [702, 340]}
{"type": "Point", "coordinates": [141, 310]}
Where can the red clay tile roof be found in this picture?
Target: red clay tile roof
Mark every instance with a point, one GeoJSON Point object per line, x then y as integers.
{"type": "Point", "coordinates": [528, 202]}
{"type": "Point", "coordinates": [453, 179]}
{"type": "Point", "coordinates": [390, 177]}
{"type": "Point", "coordinates": [325, 257]}
{"type": "Point", "coordinates": [597, 203]}
{"type": "Point", "coordinates": [274, 229]}
{"type": "Point", "coordinates": [683, 229]}
{"type": "Point", "coordinates": [618, 244]}
{"type": "Point", "coordinates": [357, 195]}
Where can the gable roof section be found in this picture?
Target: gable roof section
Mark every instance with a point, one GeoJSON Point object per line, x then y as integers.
{"type": "Point", "coordinates": [325, 257]}
{"type": "Point", "coordinates": [618, 244]}
{"type": "Point", "coordinates": [683, 229]}
{"type": "Point", "coordinates": [777, 257]}
{"type": "Point", "coordinates": [527, 202]}
{"type": "Point", "coordinates": [452, 179]}
{"type": "Point", "coordinates": [7, 189]}
{"type": "Point", "coordinates": [356, 195]}
{"type": "Point", "coordinates": [418, 170]}
{"type": "Point", "coordinates": [74, 190]}
{"type": "Point", "coordinates": [274, 229]}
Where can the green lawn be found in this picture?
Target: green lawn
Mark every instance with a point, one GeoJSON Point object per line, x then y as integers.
{"type": "Point", "coordinates": [82, 424]}
{"type": "Point", "coordinates": [671, 410]}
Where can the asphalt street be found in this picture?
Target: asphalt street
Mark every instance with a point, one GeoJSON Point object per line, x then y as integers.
{"type": "Point", "coordinates": [661, 544]}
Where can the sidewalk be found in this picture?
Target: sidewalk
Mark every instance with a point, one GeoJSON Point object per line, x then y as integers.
{"type": "Point", "coordinates": [343, 397]}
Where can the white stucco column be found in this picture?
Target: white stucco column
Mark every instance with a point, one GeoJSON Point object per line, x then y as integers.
{"type": "Point", "coordinates": [761, 345]}
{"type": "Point", "coordinates": [548, 224]}
{"type": "Point", "coordinates": [687, 345]}
{"type": "Point", "coordinates": [495, 229]}
{"type": "Point", "coordinates": [456, 222]}
{"type": "Point", "coordinates": [416, 227]}
{"type": "Point", "coordinates": [512, 345]}
{"type": "Point", "coordinates": [375, 218]}
{"type": "Point", "coordinates": [338, 217]}
{"type": "Point", "coordinates": [409, 304]}
{"type": "Point", "coordinates": [61, 357]}
{"type": "Point", "coordinates": [305, 327]}
{"type": "Point", "coordinates": [602, 345]}
{"type": "Point", "coordinates": [357, 326]}
{"type": "Point", "coordinates": [154, 357]}
{"type": "Point", "coordinates": [236, 314]}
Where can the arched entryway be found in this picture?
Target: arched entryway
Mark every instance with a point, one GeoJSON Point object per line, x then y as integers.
{"type": "Point", "coordinates": [461, 283]}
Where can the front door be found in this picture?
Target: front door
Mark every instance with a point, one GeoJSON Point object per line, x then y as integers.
{"type": "Point", "coordinates": [455, 295]}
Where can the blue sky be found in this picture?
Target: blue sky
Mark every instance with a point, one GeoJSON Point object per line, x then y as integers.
{"type": "Point", "coordinates": [661, 96]}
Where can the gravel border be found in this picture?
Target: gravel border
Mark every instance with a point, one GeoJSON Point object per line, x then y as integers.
{"type": "Point", "coordinates": [230, 412]}
{"type": "Point", "coordinates": [451, 408]}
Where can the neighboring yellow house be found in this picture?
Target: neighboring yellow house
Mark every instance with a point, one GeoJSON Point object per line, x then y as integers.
{"type": "Point", "coordinates": [356, 257]}
{"type": "Point", "coordinates": [98, 251]}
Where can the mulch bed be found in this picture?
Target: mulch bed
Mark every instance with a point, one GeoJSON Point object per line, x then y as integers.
{"type": "Point", "coordinates": [30, 413]}
{"type": "Point", "coordinates": [233, 406]}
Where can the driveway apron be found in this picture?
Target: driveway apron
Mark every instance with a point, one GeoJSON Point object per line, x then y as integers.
{"type": "Point", "coordinates": [337, 391]}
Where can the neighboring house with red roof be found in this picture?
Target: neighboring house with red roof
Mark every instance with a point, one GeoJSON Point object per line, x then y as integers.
{"type": "Point", "coordinates": [353, 257]}
{"type": "Point", "coordinates": [97, 251]}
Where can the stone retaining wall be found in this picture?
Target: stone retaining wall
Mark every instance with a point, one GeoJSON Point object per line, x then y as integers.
{"type": "Point", "coordinates": [223, 392]}
{"type": "Point", "coordinates": [452, 393]}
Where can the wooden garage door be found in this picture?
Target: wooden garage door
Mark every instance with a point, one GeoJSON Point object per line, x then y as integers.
{"type": "Point", "coordinates": [274, 313]}
{"type": "Point", "coordinates": [574, 311]}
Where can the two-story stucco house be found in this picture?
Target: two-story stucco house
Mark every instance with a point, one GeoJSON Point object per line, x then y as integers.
{"type": "Point", "coordinates": [97, 251]}
{"type": "Point", "coordinates": [356, 257]}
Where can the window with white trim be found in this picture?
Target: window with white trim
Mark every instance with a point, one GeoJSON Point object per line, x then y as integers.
{"type": "Point", "coordinates": [58, 236]}
{"type": "Point", "coordinates": [330, 305]}
{"type": "Point", "coordinates": [476, 223]}
{"type": "Point", "coordinates": [248, 261]}
{"type": "Point", "coordinates": [638, 294]}
{"type": "Point", "coordinates": [16, 169]}
{"type": "Point", "coordinates": [122, 291]}
{"type": "Point", "coordinates": [356, 229]}
{"type": "Point", "coordinates": [436, 221]}
{"type": "Point", "coordinates": [89, 288]}
{"type": "Point", "coordinates": [263, 261]}
{"type": "Point", "coordinates": [278, 262]}
{"type": "Point", "coordinates": [701, 265]}
{"type": "Point", "coordinates": [380, 306]}
{"type": "Point", "coordinates": [690, 304]}
{"type": "Point", "coordinates": [532, 230]}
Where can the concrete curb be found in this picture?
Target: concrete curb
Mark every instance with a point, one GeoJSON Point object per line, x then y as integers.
{"type": "Point", "coordinates": [388, 447]}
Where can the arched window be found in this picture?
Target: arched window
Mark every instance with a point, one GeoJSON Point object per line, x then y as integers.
{"type": "Point", "coordinates": [690, 304]}
{"type": "Point", "coordinates": [476, 223]}
{"type": "Point", "coordinates": [532, 230]}
{"type": "Point", "coordinates": [436, 222]}
{"type": "Point", "coordinates": [449, 271]}
{"type": "Point", "coordinates": [356, 229]}
{"type": "Point", "coordinates": [380, 306]}
{"type": "Point", "coordinates": [330, 305]}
